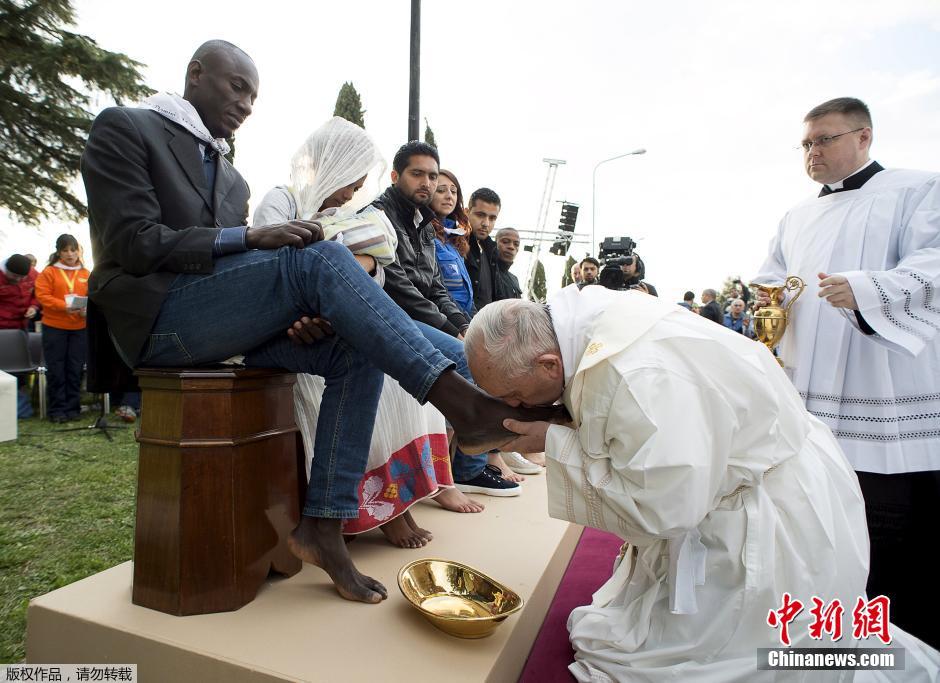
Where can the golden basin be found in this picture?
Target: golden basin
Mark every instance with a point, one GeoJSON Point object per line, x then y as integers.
{"type": "Point", "coordinates": [458, 599]}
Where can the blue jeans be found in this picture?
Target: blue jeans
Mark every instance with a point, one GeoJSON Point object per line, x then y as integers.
{"type": "Point", "coordinates": [464, 467]}
{"type": "Point", "coordinates": [245, 307]}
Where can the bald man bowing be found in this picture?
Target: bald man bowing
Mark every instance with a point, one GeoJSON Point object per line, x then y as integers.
{"type": "Point", "coordinates": [726, 490]}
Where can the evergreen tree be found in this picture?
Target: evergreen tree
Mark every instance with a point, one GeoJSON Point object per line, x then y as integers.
{"type": "Point", "coordinates": [429, 134]}
{"type": "Point", "coordinates": [349, 105]}
{"type": "Point", "coordinates": [566, 279]}
{"type": "Point", "coordinates": [538, 292]}
{"type": "Point", "coordinates": [44, 120]}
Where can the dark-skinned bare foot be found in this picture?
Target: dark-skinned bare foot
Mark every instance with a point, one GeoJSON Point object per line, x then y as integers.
{"type": "Point", "coordinates": [424, 533]}
{"type": "Point", "coordinates": [457, 501]}
{"type": "Point", "coordinates": [399, 532]}
{"type": "Point", "coordinates": [478, 418]}
{"type": "Point", "coordinates": [318, 541]}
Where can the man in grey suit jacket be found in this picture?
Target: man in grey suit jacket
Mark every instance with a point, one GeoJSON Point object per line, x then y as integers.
{"type": "Point", "coordinates": [181, 280]}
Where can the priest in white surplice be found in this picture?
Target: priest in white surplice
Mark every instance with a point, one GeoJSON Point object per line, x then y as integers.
{"type": "Point", "coordinates": [861, 344]}
{"type": "Point", "coordinates": [689, 442]}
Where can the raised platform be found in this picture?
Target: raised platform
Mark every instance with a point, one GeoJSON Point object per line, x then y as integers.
{"type": "Point", "coordinates": [299, 629]}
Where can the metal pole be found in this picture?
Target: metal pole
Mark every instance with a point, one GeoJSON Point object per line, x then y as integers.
{"type": "Point", "coordinates": [414, 89]}
{"type": "Point", "coordinates": [594, 190]}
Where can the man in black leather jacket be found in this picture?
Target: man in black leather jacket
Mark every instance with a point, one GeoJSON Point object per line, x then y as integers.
{"type": "Point", "coordinates": [482, 211]}
{"type": "Point", "coordinates": [414, 280]}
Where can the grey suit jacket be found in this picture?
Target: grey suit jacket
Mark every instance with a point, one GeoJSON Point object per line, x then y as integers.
{"type": "Point", "coordinates": [150, 216]}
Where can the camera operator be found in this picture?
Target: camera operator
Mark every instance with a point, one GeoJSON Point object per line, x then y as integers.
{"type": "Point", "coordinates": [633, 274]}
{"type": "Point", "coordinates": [623, 268]}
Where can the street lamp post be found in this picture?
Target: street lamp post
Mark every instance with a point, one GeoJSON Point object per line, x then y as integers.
{"type": "Point", "coordinates": [641, 150]}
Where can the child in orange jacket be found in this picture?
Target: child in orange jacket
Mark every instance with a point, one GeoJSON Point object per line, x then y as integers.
{"type": "Point", "coordinates": [63, 326]}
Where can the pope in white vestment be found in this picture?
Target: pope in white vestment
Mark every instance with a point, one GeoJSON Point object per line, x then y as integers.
{"type": "Point", "coordinates": [689, 442]}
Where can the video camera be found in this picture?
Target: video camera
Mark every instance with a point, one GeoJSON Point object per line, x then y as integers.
{"type": "Point", "coordinates": [616, 251]}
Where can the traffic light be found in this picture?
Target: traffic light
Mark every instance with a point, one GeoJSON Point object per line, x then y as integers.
{"type": "Point", "coordinates": [569, 216]}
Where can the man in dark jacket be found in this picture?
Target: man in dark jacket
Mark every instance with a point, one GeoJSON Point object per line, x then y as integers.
{"type": "Point", "coordinates": [414, 283]}
{"type": "Point", "coordinates": [507, 246]}
{"type": "Point", "coordinates": [710, 308]}
{"type": "Point", "coordinates": [414, 280]}
{"type": "Point", "coordinates": [181, 281]}
{"type": "Point", "coordinates": [482, 211]}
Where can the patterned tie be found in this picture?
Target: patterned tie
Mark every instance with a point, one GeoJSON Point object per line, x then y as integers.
{"type": "Point", "coordinates": [208, 167]}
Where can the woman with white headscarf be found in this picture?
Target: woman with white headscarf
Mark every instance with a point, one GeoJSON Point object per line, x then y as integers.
{"type": "Point", "coordinates": [408, 456]}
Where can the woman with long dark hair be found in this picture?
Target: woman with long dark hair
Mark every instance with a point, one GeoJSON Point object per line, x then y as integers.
{"type": "Point", "coordinates": [452, 228]}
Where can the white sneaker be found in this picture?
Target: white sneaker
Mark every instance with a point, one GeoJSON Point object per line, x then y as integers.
{"type": "Point", "coordinates": [518, 464]}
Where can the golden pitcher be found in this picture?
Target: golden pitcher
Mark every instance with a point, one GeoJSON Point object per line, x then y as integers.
{"type": "Point", "coordinates": [770, 322]}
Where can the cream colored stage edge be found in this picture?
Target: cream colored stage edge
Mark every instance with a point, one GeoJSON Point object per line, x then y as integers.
{"type": "Point", "coordinates": [7, 407]}
{"type": "Point", "coordinates": [299, 629]}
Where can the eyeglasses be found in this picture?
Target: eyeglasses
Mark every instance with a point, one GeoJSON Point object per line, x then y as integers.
{"type": "Point", "coordinates": [825, 140]}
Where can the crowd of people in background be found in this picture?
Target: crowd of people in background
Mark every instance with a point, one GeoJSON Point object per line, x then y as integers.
{"type": "Point", "coordinates": [397, 279]}
{"type": "Point", "coordinates": [53, 304]}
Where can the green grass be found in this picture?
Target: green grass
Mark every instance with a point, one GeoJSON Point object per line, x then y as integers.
{"type": "Point", "coordinates": [66, 511]}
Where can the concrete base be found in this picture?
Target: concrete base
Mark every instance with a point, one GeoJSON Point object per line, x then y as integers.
{"type": "Point", "coordinates": [299, 629]}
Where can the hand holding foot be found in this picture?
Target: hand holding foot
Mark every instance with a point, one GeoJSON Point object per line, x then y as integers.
{"type": "Point", "coordinates": [478, 418]}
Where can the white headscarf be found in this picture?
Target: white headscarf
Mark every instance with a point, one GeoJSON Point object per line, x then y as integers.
{"type": "Point", "coordinates": [335, 155]}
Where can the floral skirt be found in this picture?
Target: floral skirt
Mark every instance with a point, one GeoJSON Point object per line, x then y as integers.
{"type": "Point", "coordinates": [408, 457]}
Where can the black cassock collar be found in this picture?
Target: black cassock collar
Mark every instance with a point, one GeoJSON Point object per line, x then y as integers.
{"type": "Point", "coordinates": [854, 182]}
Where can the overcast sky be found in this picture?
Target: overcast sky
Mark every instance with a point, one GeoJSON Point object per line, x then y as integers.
{"type": "Point", "coordinates": [716, 91]}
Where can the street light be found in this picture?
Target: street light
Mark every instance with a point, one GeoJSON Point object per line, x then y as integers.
{"type": "Point", "coordinates": [641, 150]}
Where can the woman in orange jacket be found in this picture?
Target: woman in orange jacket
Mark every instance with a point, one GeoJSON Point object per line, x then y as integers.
{"type": "Point", "coordinates": [62, 290]}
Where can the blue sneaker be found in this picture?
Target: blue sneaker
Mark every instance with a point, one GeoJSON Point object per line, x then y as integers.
{"type": "Point", "coordinates": [489, 482]}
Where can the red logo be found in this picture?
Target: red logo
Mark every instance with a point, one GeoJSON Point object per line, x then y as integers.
{"type": "Point", "coordinates": [869, 618]}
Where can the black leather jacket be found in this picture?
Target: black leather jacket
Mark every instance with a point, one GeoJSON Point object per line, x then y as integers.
{"type": "Point", "coordinates": [414, 280]}
{"type": "Point", "coordinates": [481, 250]}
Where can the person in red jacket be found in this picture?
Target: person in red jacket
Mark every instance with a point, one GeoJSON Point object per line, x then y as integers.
{"type": "Point", "coordinates": [17, 301]}
{"type": "Point", "coordinates": [62, 290]}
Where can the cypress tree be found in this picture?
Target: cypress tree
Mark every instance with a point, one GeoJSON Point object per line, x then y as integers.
{"type": "Point", "coordinates": [539, 292]}
{"type": "Point", "coordinates": [44, 117]}
{"type": "Point", "coordinates": [429, 135]}
{"type": "Point", "coordinates": [349, 105]}
{"type": "Point", "coordinates": [566, 279]}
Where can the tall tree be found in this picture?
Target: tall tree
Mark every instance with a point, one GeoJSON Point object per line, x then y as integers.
{"type": "Point", "coordinates": [349, 105]}
{"type": "Point", "coordinates": [566, 279]}
{"type": "Point", "coordinates": [44, 118]}
{"type": "Point", "coordinates": [429, 135]}
{"type": "Point", "coordinates": [539, 288]}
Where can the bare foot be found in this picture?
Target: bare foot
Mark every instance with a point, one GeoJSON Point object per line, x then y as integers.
{"type": "Point", "coordinates": [318, 541]}
{"type": "Point", "coordinates": [418, 530]}
{"type": "Point", "coordinates": [508, 474]}
{"type": "Point", "coordinates": [537, 458]}
{"type": "Point", "coordinates": [457, 501]}
{"type": "Point", "coordinates": [399, 532]}
{"type": "Point", "coordinates": [478, 418]}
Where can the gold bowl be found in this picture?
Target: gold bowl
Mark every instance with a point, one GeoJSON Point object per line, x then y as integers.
{"type": "Point", "coordinates": [458, 599]}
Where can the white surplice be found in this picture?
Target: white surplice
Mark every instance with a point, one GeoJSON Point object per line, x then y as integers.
{"type": "Point", "coordinates": [691, 444]}
{"type": "Point", "coordinates": [880, 394]}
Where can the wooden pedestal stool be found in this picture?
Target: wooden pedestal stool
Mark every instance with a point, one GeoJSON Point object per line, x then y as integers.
{"type": "Point", "coordinates": [219, 486]}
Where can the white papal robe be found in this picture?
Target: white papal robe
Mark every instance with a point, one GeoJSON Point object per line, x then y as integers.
{"type": "Point", "coordinates": [690, 443]}
{"type": "Point", "coordinates": [880, 394]}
